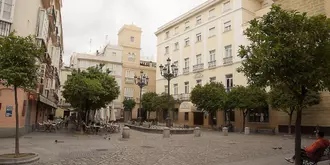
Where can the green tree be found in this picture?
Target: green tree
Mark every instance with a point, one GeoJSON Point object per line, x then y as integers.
{"type": "Point", "coordinates": [92, 89]}
{"type": "Point", "coordinates": [161, 103]}
{"type": "Point", "coordinates": [281, 99]}
{"type": "Point", "coordinates": [148, 103]}
{"type": "Point", "coordinates": [210, 98]}
{"type": "Point", "coordinates": [129, 104]}
{"type": "Point", "coordinates": [292, 49]}
{"type": "Point", "coordinates": [246, 99]}
{"type": "Point", "coordinates": [18, 69]}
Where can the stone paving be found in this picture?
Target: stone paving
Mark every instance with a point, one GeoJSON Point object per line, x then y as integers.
{"type": "Point", "coordinates": [152, 149]}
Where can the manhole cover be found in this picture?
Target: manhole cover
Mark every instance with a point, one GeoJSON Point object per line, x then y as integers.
{"type": "Point", "coordinates": [147, 147]}
{"type": "Point", "coordinates": [101, 149]}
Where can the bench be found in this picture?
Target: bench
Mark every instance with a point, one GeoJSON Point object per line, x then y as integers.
{"type": "Point", "coordinates": [265, 129]}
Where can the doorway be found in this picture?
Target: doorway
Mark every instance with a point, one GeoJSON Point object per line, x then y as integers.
{"type": "Point", "coordinates": [198, 118]}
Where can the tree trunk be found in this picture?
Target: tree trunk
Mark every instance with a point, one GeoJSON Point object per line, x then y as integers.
{"type": "Point", "coordinates": [244, 117]}
{"type": "Point", "coordinates": [17, 123]}
{"type": "Point", "coordinates": [289, 124]}
{"type": "Point", "coordinates": [298, 137]}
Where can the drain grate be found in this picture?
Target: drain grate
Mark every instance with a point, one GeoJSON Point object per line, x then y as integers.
{"type": "Point", "coordinates": [147, 147]}
{"type": "Point", "coordinates": [101, 149]}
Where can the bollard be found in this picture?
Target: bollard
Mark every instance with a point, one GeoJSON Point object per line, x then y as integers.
{"type": "Point", "coordinates": [247, 130]}
{"type": "Point", "coordinates": [125, 134]}
{"type": "Point", "coordinates": [225, 131]}
{"type": "Point", "coordinates": [166, 132]}
{"type": "Point", "coordinates": [197, 132]}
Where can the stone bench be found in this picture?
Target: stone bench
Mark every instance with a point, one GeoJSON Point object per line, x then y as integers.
{"type": "Point", "coordinates": [160, 130]}
{"type": "Point", "coordinates": [265, 130]}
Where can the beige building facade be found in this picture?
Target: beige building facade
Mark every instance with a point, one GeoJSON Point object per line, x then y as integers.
{"type": "Point", "coordinates": [40, 18]}
{"type": "Point", "coordinates": [129, 38]}
{"type": "Point", "coordinates": [204, 42]}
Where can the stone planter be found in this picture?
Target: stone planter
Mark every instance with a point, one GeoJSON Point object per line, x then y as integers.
{"type": "Point", "coordinates": [9, 159]}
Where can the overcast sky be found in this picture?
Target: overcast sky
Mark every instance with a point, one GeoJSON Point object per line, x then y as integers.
{"type": "Point", "coordinates": [85, 20]}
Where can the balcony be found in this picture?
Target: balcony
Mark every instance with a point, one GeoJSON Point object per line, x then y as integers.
{"type": "Point", "coordinates": [212, 64]}
{"type": "Point", "coordinates": [198, 67]}
{"type": "Point", "coordinates": [129, 80]}
{"type": "Point", "coordinates": [4, 28]}
{"type": "Point", "coordinates": [185, 96]}
{"type": "Point", "coordinates": [228, 60]}
{"type": "Point", "coordinates": [176, 96]}
{"type": "Point", "coordinates": [186, 70]}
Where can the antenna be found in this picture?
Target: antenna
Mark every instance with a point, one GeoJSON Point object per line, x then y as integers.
{"type": "Point", "coordinates": [106, 39]}
{"type": "Point", "coordinates": [90, 45]}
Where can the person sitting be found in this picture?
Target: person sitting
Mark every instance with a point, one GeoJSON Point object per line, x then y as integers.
{"type": "Point", "coordinates": [310, 152]}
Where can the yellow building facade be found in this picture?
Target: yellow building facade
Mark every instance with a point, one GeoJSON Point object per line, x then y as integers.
{"type": "Point", "coordinates": [129, 38]}
{"type": "Point", "coordinates": [204, 42]}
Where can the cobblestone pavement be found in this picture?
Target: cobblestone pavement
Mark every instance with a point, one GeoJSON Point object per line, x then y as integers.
{"type": "Point", "coordinates": [152, 149]}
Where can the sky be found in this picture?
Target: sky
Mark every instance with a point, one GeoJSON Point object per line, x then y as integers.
{"type": "Point", "coordinates": [89, 24]}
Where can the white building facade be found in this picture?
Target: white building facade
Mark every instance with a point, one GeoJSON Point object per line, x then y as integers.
{"type": "Point", "coordinates": [111, 57]}
{"type": "Point", "coordinates": [203, 43]}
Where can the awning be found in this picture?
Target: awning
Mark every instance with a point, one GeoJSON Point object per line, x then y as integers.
{"type": "Point", "coordinates": [44, 100]}
{"type": "Point", "coordinates": [187, 107]}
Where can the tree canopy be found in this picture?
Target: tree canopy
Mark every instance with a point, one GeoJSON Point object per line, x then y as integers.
{"type": "Point", "coordinates": [161, 102]}
{"type": "Point", "coordinates": [91, 89]}
{"type": "Point", "coordinates": [129, 104]}
{"type": "Point", "coordinates": [18, 59]}
{"type": "Point", "coordinates": [148, 101]}
{"type": "Point", "coordinates": [292, 49]}
{"type": "Point", "coordinates": [210, 97]}
{"type": "Point", "coordinates": [18, 69]}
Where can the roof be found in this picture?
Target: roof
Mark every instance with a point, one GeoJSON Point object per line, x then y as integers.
{"type": "Point", "coordinates": [130, 27]}
{"type": "Point", "coordinates": [187, 15]}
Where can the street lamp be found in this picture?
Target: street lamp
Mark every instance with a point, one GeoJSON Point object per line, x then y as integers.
{"type": "Point", "coordinates": [141, 81]}
{"type": "Point", "coordinates": [168, 72]}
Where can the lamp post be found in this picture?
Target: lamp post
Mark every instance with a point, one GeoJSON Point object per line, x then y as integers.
{"type": "Point", "coordinates": [168, 72]}
{"type": "Point", "coordinates": [141, 81]}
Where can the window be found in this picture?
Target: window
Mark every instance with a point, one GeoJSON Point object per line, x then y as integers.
{"type": "Point", "coordinates": [227, 26]}
{"type": "Point", "coordinates": [186, 116]}
{"type": "Point", "coordinates": [199, 59]}
{"type": "Point", "coordinates": [198, 20]}
{"type": "Point", "coordinates": [113, 53]}
{"type": "Point", "coordinates": [229, 82]}
{"type": "Point", "coordinates": [228, 51]}
{"type": "Point", "coordinates": [130, 73]}
{"type": "Point", "coordinates": [7, 9]}
{"type": "Point", "coordinates": [212, 32]}
{"type": "Point", "coordinates": [211, 13]}
{"type": "Point", "coordinates": [229, 115]}
{"type": "Point", "coordinates": [199, 82]}
{"type": "Point", "coordinates": [176, 63]}
{"type": "Point", "coordinates": [131, 57]}
{"type": "Point", "coordinates": [186, 62]}
{"type": "Point", "coordinates": [198, 37]}
{"type": "Point", "coordinates": [166, 89]}
{"type": "Point", "coordinates": [176, 30]}
{"type": "Point", "coordinates": [175, 88]}
{"type": "Point", "coordinates": [129, 92]}
{"type": "Point", "coordinates": [187, 25]}
{"type": "Point", "coordinates": [186, 87]}
{"type": "Point", "coordinates": [260, 115]}
{"type": "Point", "coordinates": [167, 35]}
{"type": "Point", "coordinates": [176, 46]}
{"type": "Point", "coordinates": [167, 49]}
{"type": "Point", "coordinates": [186, 42]}
{"type": "Point", "coordinates": [212, 79]}
{"type": "Point", "coordinates": [212, 55]}
{"type": "Point", "coordinates": [226, 6]}
{"type": "Point", "coordinates": [132, 39]}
